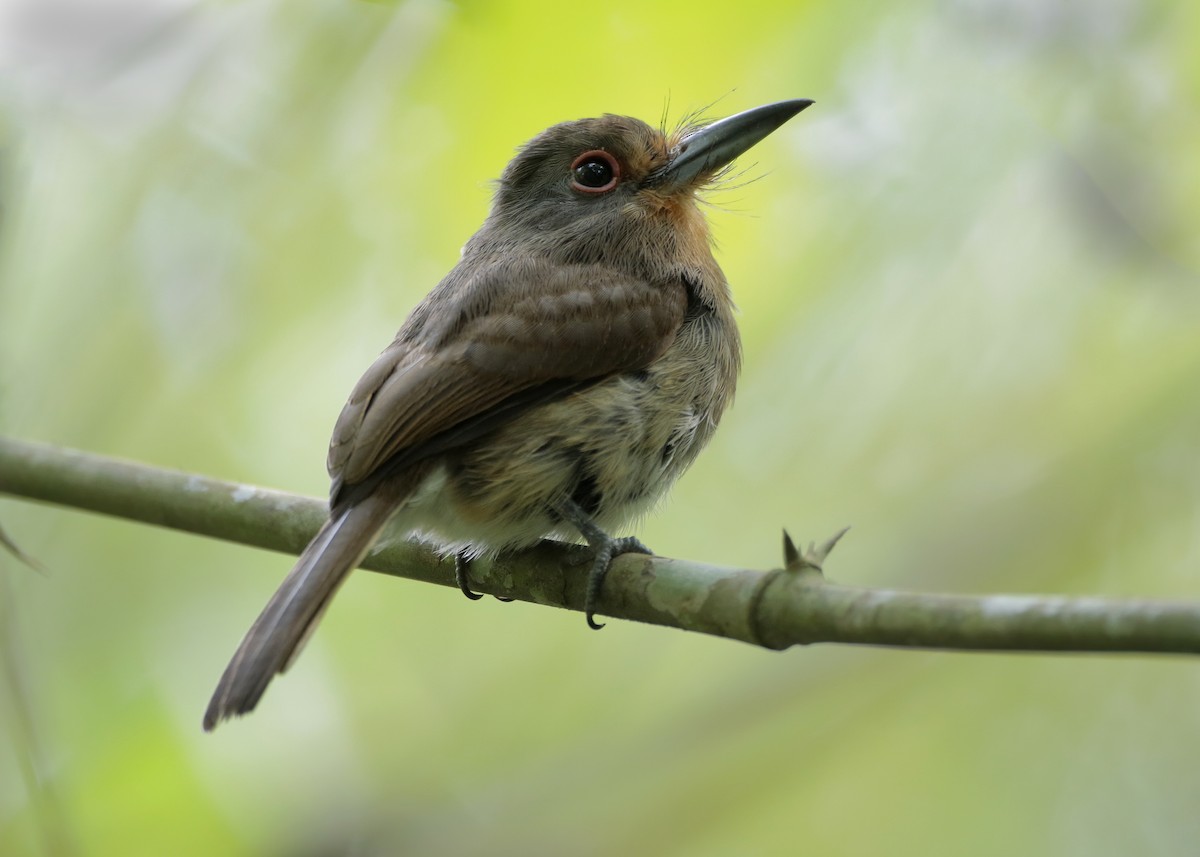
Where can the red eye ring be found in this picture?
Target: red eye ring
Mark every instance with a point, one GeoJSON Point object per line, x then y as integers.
{"type": "Point", "coordinates": [595, 171]}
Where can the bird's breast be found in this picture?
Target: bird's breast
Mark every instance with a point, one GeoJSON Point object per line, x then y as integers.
{"type": "Point", "coordinates": [614, 447]}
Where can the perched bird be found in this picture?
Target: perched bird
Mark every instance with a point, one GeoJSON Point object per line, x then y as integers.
{"type": "Point", "coordinates": [555, 383]}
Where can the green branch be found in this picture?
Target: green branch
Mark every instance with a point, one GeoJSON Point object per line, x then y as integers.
{"type": "Point", "coordinates": [776, 609]}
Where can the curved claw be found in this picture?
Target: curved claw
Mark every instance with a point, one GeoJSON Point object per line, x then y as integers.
{"type": "Point", "coordinates": [461, 566]}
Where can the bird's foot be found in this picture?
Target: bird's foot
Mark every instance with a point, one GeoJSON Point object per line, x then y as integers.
{"type": "Point", "coordinates": [462, 568]}
{"type": "Point", "coordinates": [606, 549]}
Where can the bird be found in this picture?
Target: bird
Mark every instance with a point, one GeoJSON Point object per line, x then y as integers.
{"type": "Point", "coordinates": [554, 384]}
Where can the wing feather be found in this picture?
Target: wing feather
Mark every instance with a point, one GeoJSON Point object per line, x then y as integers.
{"type": "Point", "coordinates": [499, 341]}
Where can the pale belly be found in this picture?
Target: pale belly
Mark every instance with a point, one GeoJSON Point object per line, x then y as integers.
{"type": "Point", "coordinates": [614, 448]}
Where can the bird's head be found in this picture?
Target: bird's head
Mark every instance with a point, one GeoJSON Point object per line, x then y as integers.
{"type": "Point", "coordinates": [617, 191]}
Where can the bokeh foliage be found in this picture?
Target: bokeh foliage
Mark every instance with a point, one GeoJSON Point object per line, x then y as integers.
{"type": "Point", "coordinates": [968, 287]}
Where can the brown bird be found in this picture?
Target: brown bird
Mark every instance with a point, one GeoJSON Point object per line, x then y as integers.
{"type": "Point", "coordinates": [556, 382]}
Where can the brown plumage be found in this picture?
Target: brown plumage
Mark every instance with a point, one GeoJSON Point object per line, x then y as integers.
{"type": "Point", "coordinates": [556, 382]}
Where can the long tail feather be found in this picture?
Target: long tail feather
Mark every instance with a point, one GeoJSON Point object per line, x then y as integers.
{"type": "Point", "coordinates": [276, 637]}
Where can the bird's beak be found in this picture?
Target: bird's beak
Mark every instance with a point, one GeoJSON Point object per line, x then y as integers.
{"type": "Point", "coordinates": [703, 152]}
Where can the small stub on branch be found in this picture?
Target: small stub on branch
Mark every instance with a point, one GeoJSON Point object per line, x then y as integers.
{"type": "Point", "coordinates": [812, 558]}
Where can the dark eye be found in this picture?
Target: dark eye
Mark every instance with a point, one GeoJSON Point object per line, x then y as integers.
{"type": "Point", "coordinates": [595, 172]}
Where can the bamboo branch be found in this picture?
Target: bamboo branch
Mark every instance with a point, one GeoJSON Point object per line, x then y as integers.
{"type": "Point", "coordinates": [775, 609]}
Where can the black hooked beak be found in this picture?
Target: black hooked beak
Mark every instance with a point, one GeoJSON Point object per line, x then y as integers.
{"type": "Point", "coordinates": [702, 153]}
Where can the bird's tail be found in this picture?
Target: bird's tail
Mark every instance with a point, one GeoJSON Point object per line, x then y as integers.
{"type": "Point", "coordinates": [280, 631]}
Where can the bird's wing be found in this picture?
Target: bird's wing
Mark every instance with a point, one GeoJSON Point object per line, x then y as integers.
{"type": "Point", "coordinates": [510, 337]}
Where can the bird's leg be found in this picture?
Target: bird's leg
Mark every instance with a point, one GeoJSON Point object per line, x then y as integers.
{"type": "Point", "coordinates": [605, 547]}
{"type": "Point", "coordinates": [462, 566]}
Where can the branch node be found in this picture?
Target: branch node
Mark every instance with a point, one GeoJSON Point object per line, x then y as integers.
{"type": "Point", "coordinates": [813, 557]}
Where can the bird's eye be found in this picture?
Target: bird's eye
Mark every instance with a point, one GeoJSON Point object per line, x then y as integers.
{"type": "Point", "coordinates": [595, 172]}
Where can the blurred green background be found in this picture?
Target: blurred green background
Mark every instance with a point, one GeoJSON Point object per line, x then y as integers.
{"type": "Point", "coordinates": [968, 288]}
